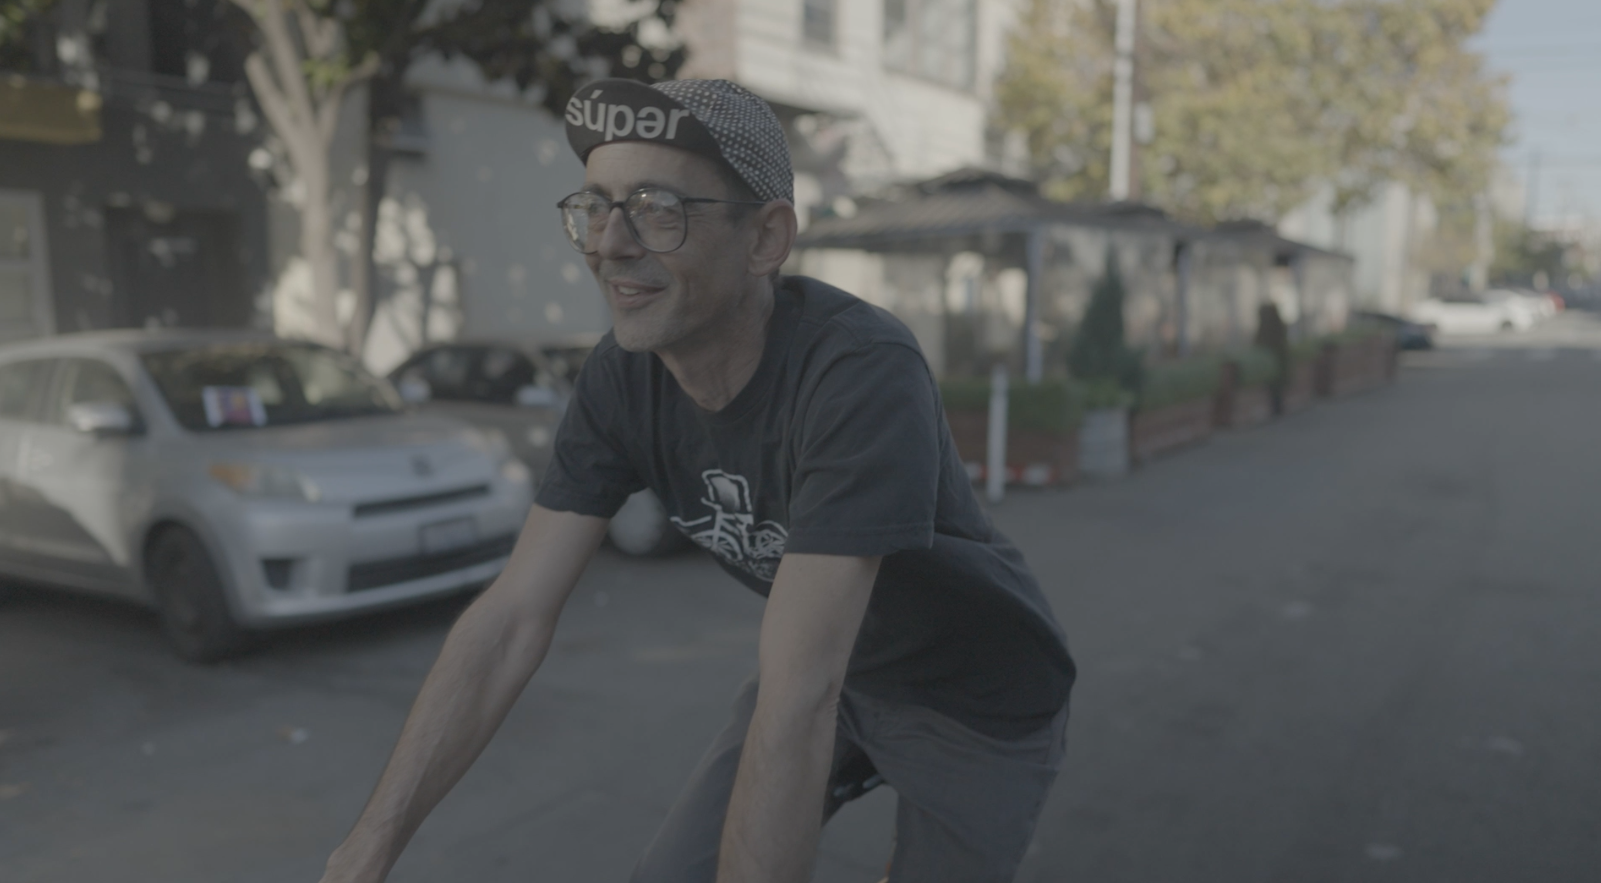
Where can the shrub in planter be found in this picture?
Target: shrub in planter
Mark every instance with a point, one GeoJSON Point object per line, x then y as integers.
{"type": "Point", "coordinates": [1359, 358]}
{"type": "Point", "coordinates": [1175, 406]}
{"type": "Point", "coordinates": [1103, 449]}
{"type": "Point", "coordinates": [1041, 428]}
{"type": "Point", "coordinates": [1301, 384]}
{"type": "Point", "coordinates": [1245, 395]}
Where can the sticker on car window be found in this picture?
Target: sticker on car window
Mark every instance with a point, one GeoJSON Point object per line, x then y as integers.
{"type": "Point", "coordinates": [233, 406]}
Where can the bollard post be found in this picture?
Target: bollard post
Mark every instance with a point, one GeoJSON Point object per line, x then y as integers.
{"type": "Point", "coordinates": [995, 468]}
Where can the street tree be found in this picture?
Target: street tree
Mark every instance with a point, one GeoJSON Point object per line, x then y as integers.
{"type": "Point", "coordinates": [300, 75]}
{"type": "Point", "coordinates": [1257, 103]}
{"type": "Point", "coordinates": [19, 37]}
{"type": "Point", "coordinates": [317, 50]}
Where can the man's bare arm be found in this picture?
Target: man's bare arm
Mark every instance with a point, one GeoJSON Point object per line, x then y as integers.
{"type": "Point", "coordinates": [486, 661]}
{"type": "Point", "coordinates": [808, 631]}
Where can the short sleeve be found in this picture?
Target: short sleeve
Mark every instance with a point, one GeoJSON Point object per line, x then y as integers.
{"type": "Point", "coordinates": [866, 474]}
{"type": "Point", "coordinates": [590, 472]}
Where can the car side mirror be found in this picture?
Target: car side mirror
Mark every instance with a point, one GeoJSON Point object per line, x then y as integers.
{"type": "Point", "coordinates": [103, 418]}
{"type": "Point", "coordinates": [414, 391]}
{"type": "Point", "coordinates": [532, 396]}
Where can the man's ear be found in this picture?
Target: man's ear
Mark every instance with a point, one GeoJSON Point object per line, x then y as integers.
{"type": "Point", "coordinates": [776, 229]}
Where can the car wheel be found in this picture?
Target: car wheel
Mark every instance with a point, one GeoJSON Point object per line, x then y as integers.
{"type": "Point", "coordinates": [641, 528]}
{"type": "Point", "coordinates": [1506, 325]}
{"type": "Point", "coordinates": [189, 597]}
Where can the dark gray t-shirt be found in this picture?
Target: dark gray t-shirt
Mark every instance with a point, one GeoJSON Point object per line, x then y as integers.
{"type": "Point", "coordinates": [838, 445]}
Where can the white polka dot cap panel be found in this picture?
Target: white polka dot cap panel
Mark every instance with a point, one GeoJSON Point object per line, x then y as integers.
{"type": "Point", "coordinates": [745, 128]}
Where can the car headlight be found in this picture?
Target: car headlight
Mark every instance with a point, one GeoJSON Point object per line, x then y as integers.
{"type": "Point", "coordinates": [265, 480]}
{"type": "Point", "coordinates": [515, 471]}
{"type": "Point", "coordinates": [492, 442]}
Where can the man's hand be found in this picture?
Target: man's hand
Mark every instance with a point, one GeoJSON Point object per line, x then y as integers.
{"type": "Point", "coordinates": [488, 658]}
{"type": "Point", "coordinates": [808, 631]}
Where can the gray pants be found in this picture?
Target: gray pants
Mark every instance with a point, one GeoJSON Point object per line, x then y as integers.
{"type": "Point", "coordinates": [968, 802]}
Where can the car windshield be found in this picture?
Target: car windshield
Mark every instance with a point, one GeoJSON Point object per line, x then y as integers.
{"type": "Point", "coordinates": [270, 383]}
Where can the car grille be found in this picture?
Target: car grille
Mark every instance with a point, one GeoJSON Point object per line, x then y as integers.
{"type": "Point", "coordinates": [377, 574]}
{"type": "Point", "coordinates": [401, 504]}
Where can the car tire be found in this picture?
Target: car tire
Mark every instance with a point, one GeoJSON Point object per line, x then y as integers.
{"type": "Point", "coordinates": [189, 596]}
{"type": "Point", "coordinates": [641, 529]}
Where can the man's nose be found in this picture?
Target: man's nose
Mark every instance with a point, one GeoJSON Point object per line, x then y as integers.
{"type": "Point", "coordinates": [616, 240]}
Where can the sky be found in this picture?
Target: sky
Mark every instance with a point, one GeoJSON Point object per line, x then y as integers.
{"type": "Point", "coordinates": [1552, 50]}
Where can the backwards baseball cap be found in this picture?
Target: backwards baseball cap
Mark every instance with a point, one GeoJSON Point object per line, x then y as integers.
{"type": "Point", "coordinates": [715, 118]}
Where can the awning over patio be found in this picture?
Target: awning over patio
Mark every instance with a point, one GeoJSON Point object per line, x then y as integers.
{"type": "Point", "coordinates": [965, 205]}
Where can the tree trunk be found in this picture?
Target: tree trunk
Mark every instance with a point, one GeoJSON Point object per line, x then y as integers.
{"type": "Point", "coordinates": [317, 249]}
{"type": "Point", "coordinates": [385, 95]}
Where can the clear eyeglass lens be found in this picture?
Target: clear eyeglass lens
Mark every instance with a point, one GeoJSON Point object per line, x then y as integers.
{"type": "Point", "coordinates": [658, 216]}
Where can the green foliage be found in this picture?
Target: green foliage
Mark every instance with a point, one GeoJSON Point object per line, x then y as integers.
{"type": "Point", "coordinates": [1522, 253]}
{"type": "Point", "coordinates": [1257, 102]}
{"type": "Point", "coordinates": [1358, 331]}
{"type": "Point", "coordinates": [1303, 351]}
{"type": "Point", "coordinates": [1049, 406]}
{"type": "Point", "coordinates": [1098, 395]}
{"type": "Point", "coordinates": [18, 18]}
{"type": "Point", "coordinates": [1099, 351]}
{"type": "Point", "coordinates": [547, 45]}
{"type": "Point", "coordinates": [1174, 383]}
{"type": "Point", "coordinates": [1257, 367]}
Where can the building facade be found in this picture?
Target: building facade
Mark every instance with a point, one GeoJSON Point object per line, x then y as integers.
{"type": "Point", "coordinates": [126, 194]}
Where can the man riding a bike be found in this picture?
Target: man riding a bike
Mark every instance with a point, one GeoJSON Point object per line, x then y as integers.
{"type": "Point", "coordinates": [795, 432]}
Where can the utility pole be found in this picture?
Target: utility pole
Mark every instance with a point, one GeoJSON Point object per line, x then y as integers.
{"type": "Point", "coordinates": [1123, 103]}
{"type": "Point", "coordinates": [1531, 199]}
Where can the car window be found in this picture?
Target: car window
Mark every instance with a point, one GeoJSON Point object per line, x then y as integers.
{"type": "Point", "coordinates": [21, 385]}
{"type": "Point", "coordinates": [239, 386]}
{"type": "Point", "coordinates": [447, 370]}
{"type": "Point", "coordinates": [89, 382]}
{"type": "Point", "coordinates": [501, 372]}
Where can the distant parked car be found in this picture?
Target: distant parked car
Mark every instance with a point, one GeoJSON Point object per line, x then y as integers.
{"type": "Point", "coordinates": [236, 482]}
{"type": "Point", "coordinates": [1474, 315]}
{"type": "Point", "coordinates": [1409, 335]}
{"type": "Point", "coordinates": [521, 391]}
{"type": "Point", "coordinates": [1528, 309]}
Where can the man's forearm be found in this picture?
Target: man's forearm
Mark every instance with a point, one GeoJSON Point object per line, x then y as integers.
{"type": "Point", "coordinates": [775, 814]}
{"type": "Point", "coordinates": [484, 665]}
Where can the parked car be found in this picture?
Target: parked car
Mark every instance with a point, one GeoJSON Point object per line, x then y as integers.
{"type": "Point", "coordinates": [1527, 308]}
{"type": "Point", "coordinates": [521, 391]}
{"type": "Point", "coordinates": [238, 482]}
{"type": "Point", "coordinates": [1409, 335]}
{"type": "Point", "coordinates": [1473, 315]}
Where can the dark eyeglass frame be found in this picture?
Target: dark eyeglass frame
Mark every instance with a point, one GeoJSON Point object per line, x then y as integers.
{"type": "Point", "coordinates": [628, 221]}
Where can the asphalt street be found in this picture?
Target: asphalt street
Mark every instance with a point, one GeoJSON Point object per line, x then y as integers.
{"type": "Point", "coordinates": [1359, 644]}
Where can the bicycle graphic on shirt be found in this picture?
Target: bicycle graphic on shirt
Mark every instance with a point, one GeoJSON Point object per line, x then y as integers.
{"type": "Point", "coordinates": [731, 532]}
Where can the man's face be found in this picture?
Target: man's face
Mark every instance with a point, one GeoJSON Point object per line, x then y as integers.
{"type": "Point", "coordinates": [659, 300]}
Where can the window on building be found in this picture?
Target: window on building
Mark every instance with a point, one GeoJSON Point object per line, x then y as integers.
{"type": "Point", "coordinates": [201, 41]}
{"type": "Point", "coordinates": [817, 22]}
{"type": "Point", "coordinates": [935, 39]}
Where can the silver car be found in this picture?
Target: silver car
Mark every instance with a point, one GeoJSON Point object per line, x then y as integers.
{"type": "Point", "coordinates": [236, 481]}
{"type": "Point", "coordinates": [521, 391]}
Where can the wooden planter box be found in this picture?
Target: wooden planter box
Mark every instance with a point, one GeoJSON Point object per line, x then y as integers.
{"type": "Point", "coordinates": [1154, 432]}
{"type": "Point", "coordinates": [1237, 408]}
{"type": "Point", "coordinates": [1301, 387]}
{"type": "Point", "coordinates": [1357, 366]}
{"type": "Point", "coordinates": [1033, 457]}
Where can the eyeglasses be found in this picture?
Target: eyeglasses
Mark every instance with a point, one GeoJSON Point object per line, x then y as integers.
{"type": "Point", "coordinates": [657, 218]}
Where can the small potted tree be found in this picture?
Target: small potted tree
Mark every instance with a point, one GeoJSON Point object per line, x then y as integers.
{"type": "Point", "coordinates": [1108, 372]}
